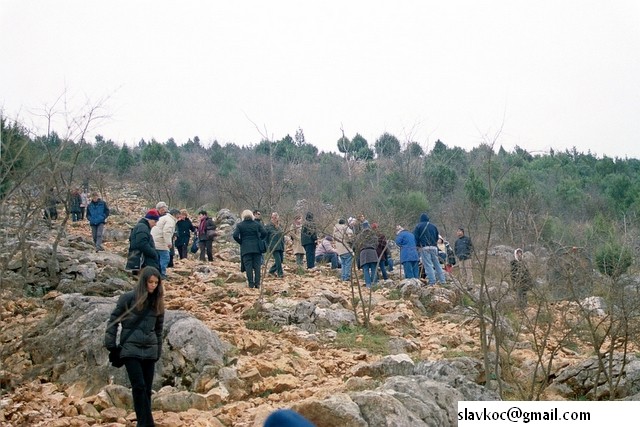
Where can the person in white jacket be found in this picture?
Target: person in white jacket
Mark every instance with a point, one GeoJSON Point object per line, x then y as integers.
{"type": "Point", "coordinates": [162, 235]}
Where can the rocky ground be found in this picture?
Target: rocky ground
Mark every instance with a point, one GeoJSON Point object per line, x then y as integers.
{"type": "Point", "coordinates": [281, 366]}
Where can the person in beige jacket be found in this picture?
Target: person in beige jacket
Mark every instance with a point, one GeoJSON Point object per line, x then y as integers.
{"type": "Point", "coordinates": [162, 235]}
{"type": "Point", "coordinates": [343, 238]}
{"type": "Point", "coordinates": [296, 238]}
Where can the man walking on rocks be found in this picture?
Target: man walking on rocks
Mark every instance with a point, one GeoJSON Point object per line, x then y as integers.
{"type": "Point", "coordinates": [97, 214]}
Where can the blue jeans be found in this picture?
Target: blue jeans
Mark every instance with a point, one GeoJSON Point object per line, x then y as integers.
{"type": "Point", "coordinates": [346, 260]}
{"type": "Point", "coordinates": [369, 270]}
{"type": "Point", "coordinates": [390, 264]}
{"type": "Point", "coordinates": [332, 258]}
{"type": "Point", "coordinates": [411, 270]}
{"type": "Point", "coordinates": [429, 257]}
{"type": "Point", "coordinates": [383, 269]}
{"type": "Point", "coordinates": [163, 260]}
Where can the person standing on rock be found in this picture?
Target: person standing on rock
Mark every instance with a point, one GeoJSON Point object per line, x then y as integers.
{"type": "Point", "coordinates": [248, 234]}
{"type": "Point", "coordinates": [97, 214]}
{"type": "Point", "coordinates": [141, 314]}
{"type": "Point", "coordinates": [409, 257]}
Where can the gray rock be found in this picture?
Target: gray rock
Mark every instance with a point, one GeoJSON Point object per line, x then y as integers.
{"type": "Point", "coordinates": [333, 319]}
{"type": "Point", "coordinates": [584, 379]}
{"type": "Point", "coordinates": [397, 364]}
{"type": "Point", "coordinates": [337, 410]}
{"type": "Point", "coordinates": [68, 347]}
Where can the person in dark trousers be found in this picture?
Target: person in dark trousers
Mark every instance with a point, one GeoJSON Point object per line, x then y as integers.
{"type": "Point", "coordinates": [206, 235]}
{"type": "Point", "coordinates": [463, 248]}
{"type": "Point", "coordinates": [184, 228]}
{"type": "Point", "coordinates": [275, 241]}
{"type": "Point", "coordinates": [141, 239]}
{"type": "Point", "coordinates": [520, 277]}
{"type": "Point", "coordinates": [248, 234]}
{"type": "Point", "coordinates": [97, 214]}
{"type": "Point", "coordinates": [75, 200]}
{"type": "Point", "coordinates": [141, 314]}
{"type": "Point", "coordinates": [309, 239]}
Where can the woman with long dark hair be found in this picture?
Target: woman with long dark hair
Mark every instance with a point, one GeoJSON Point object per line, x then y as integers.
{"type": "Point", "coordinates": [140, 312]}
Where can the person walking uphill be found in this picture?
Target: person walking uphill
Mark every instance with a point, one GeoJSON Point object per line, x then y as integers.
{"type": "Point", "coordinates": [141, 314]}
{"type": "Point", "coordinates": [249, 234]}
{"type": "Point", "coordinates": [426, 235]}
{"type": "Point", "coordinates": [97, 214]}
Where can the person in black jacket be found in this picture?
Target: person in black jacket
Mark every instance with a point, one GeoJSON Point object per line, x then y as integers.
{"type": "Point", "coordinates": [184, 228]}
{"type": "Point", "coordinates": [309, 239]}
{"type": "Point", "coordinates": [142, 240]}
{"type": "Point", "coordinates": [275, 240]}
{"type": "Point", "coordinates": [248, 234]}
{"type": "Point", "coordinates": [141, 314]}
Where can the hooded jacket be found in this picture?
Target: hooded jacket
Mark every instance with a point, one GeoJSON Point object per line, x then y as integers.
{"type": "Point", "coordinates": [426, 234]}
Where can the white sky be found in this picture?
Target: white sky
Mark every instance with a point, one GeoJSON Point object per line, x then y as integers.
{"type": "Point", "coordinates": [550, 73]}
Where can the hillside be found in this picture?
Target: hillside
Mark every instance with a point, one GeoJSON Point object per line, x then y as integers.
{"type": "Point", "coordinates": [271, 365]}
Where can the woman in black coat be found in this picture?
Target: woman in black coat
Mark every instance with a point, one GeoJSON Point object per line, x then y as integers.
{"type": "Point", "coordinates": [249, 234]}
{"type": "Point", "coordinates": [141, 314]}
{"type": "Point", "coordinates": [184, 228]}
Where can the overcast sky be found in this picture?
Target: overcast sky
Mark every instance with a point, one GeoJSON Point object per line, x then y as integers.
{"type": "Point", "coordinates": [550, 74]}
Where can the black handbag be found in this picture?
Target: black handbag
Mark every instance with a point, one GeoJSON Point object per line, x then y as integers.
{"type": "Point", "coordinates": [194, 245]}
{"type": "Point", "coordinates": [114, 354]}
{"type": "Point", "coordinates": [262, 246]}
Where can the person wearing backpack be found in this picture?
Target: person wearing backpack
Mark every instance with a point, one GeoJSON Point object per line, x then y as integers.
{"type": "Point", "coordinates": [140, 312]}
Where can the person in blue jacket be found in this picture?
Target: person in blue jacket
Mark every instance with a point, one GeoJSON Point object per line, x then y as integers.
{"type": "Point", "coordinates": [97, 214]}
{"type": "Point", "coordinates": [408, 253]}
